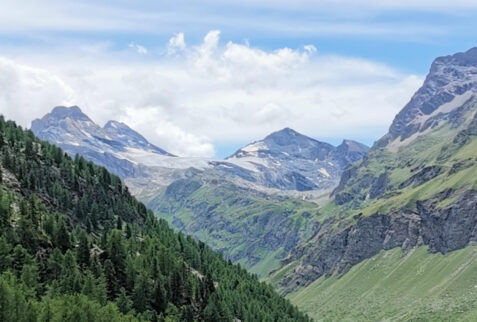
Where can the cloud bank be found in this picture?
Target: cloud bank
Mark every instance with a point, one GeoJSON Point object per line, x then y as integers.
{"type": "Point", "coordinates": [194, 96]}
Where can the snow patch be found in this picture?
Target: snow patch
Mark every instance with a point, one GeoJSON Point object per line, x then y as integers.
{"type": "Point", "coordinates": [324, 172]}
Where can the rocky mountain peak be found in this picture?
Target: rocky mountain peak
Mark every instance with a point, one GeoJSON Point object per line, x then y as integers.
{"type": "Point", "coordinates": [452, 80]}
{"type": "Point", "coordinates": [293, 161]}
{"type": "Point", "coordinates": [62, 112]}
{"type": "Point", "coordinates": [285, 135]}
{"type": "Point", "coordinates": [288, 136]}
{"type": "Point", "coordinates": [353, 146]}
{"type": "Point", "coordinates": [465, 59]}
{"type": "Point", "coordinates": [115, 146]}
{"type": "Point", "coordinates": [115, 125]}
{"type": "Point", "coordinates": [286, 143]}
{"type": "Point", "coordinates": [348, 152]}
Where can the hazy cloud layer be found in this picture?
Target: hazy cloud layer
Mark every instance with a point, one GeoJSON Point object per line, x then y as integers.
{"type": "Point", "coordinates": [193, 96]}
{"type": "Point", "coordinates": [300, 17]}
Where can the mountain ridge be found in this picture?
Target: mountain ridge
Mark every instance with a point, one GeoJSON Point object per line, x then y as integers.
{"type": "Point", "coordinates": [416, 187]}
{"type": "Point", "coordinates": [449, 77]}
{"type": "Point", "coordinates": [288, 162]}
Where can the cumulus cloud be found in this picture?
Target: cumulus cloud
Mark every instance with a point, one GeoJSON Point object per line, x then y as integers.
{"type": "Point", "coordinates": [141, 50]}
{"type": "Point", "coordinates": [216, 93]}
{"type": "Point", "coordinates": [176, 44]}
{"type": "Point", "coordinates": [26, 92]}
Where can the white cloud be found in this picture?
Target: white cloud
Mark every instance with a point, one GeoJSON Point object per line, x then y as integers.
{"type": "Point", "coordinates": [176, 44]}
{"type": "Point", "coordinates": [214, 94]}
{"type": "Point", "coordinates": [190, 144]}
{"type": "Point", "coordinates": [26, 92]}
{"type": "Point", "coordinates": [159, 17]}
{"type": "Point", "coordinates": [310, 49]}
{"type": "Point", "coordinates": [141, 50]}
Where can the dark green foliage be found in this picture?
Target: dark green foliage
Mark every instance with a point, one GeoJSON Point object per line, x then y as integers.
{"type": "Point", "coordinates": [76, 246]}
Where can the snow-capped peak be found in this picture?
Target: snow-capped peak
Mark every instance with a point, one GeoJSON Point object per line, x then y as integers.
{"type": "Point", "coordinates": [75, 132]}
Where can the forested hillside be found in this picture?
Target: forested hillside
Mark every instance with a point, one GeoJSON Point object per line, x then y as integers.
{"type": "Point", "coordinates": [76, 246]}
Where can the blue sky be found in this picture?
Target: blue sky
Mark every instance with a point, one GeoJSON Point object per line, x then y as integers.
{"type": "Point", "coordinates": [204, 78]}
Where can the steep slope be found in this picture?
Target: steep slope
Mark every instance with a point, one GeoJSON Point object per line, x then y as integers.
{"type": "Point", "coordinates": [248, 226]}
{"type": "Point", "coordinates": [398, 286]}
{"type": "Point", "coordinates": [414, 187]}
{"type": "Point", "coordinates": [75, 245]}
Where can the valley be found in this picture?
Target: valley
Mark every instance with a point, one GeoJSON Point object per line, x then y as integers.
{"type": "Point", "coordinates": [320, 223]}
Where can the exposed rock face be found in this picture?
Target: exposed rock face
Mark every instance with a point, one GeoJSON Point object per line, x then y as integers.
{"type": "Point", "coordinates": [407, 190]}
{"type": "Point", "coordinates": [422, 176]}
{"type": "Point", "coordinates": [289, 160]}
{"type": "Point", "coordinates": [443, 230]}
{"type": "Point", "coordinates": [379, 186]}
{"type": "Point", "coordinates": [115, 146]}
{"type": "Point", "coordinates": [448, 78]}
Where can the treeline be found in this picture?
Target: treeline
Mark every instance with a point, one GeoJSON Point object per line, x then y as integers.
{"type": "Point", "coordinates": [76, 246]}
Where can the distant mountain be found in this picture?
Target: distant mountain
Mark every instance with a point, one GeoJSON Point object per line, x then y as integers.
{"type": "Point", "coordinates": [289, 160]}
{"type": "Point", "coordinates": [235, 205]}
{"type": "Point", "coordinates": [284, 160]}
{"type": "Point", "coordinates": [415, 190]}
{"type": "Point", "coordinates": [115, 146]}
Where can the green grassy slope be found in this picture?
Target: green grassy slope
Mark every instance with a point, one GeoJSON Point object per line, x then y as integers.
{"type": "Point", "coordinates": [251, 229]}
{"type": "Point", "coordinates": [393, 286]}
{"type": "Point", "coordinates": [458, 164]}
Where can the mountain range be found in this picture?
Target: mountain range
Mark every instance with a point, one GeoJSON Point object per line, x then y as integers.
{"type": "Point", "coordinates": [347, 233]}
{"type": "Point", "coordinates": [265, 179]}
{"type": "Point", "coordinates": [284, 160]}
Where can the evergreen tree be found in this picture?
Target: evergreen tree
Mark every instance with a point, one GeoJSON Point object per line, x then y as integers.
{"type": "Point", "coordinates": [123, 302]}
{"type": "Point", "coordinates": [83, 251]}
{"type": "Point", "coordinates": [62, 236]}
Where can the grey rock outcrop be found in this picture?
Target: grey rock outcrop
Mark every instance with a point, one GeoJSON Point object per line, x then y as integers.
{"type": "Point", "coordinates": [289, 160]}
{"type": "Point", "coordinates": [449, 77]}
{"type": "Point", "coordinates": [336, 251]}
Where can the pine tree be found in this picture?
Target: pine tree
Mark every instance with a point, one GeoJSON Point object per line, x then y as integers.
{"type": "Point", "coordinates": [62, 237]}
{"type": "Point", "coordinates": [30, 277]}
{"type": "Point", "coordinates": [83, 251]}
{"type": "Point", "coordinates": [142, 293]}
{"type": "Point", "coordinates": [124, 302]}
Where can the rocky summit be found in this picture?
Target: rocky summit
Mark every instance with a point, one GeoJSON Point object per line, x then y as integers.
{"type": "Point", "coordinates": [289, 160]}
{"type": "Point", "coordinates": [115, 146]}
{"type": "Point", "coordinates": [450, 82]}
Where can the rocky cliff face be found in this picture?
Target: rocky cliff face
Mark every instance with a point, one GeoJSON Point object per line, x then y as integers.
{"type": "Point", "coordinates": [443, 230]}
{"type": "Point", "coordinates": [451, 78]}
{"type": "Point", "coordinates": [415, 187]}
